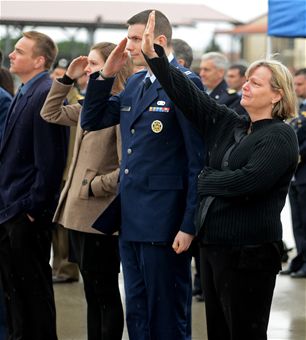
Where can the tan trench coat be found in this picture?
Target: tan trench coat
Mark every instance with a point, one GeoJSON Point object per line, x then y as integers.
{"type": "Point", "coordinates": [95, 163]}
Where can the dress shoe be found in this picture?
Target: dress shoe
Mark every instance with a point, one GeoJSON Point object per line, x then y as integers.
{"type": "Point", "coordinates": [200, 298]}
{"type": "Point", "coordinates": [300, 274]}
{"type": "Point", "coordinates": [62, 279]}
{"type": "Point", "coordinates": [286, 272]}
{"type": "Point", "coordinates": [196, 291]}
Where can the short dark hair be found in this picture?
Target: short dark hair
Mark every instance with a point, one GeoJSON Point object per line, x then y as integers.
{"type": "Point", "coordinates": [162, 24]}
{"type": "Point", "coordinates": [300, 72]}
{"type": "Point", "coordinates": [241, 68]}
{"type": "Point", "coordinates": [6, 80]}
{"type": "Point", "coordinates": [44, 46]}
{"type": "Point", "coordinates": [182, 51]}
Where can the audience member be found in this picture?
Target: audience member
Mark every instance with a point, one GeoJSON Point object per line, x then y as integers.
{"type": "Point", "coordinates": [183, 52]}
{"type": "Point", "coordinates": [91, 186]}
{"type": "Point", "coordinates": [29, 191]}
{"type": "Point", "coordinates": [213, 67]}
{"type": "Point", "coordinates": [297, 191]}
{"type": "Point", "coordinates": [235, 77]}
{"type": "Point", "coordinates": [161, 158]}
{"type": "Point", "coordinates": [242, 190]}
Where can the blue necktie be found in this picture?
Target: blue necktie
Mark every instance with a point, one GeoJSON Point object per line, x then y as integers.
{"type": "Point", "coordinates": [146, 84]}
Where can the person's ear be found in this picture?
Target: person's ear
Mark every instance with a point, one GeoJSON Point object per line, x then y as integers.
{"type": "Point", "coordinates": [40, 62]}
{"type": "Point", "coordinates": [278, 95]}
{"type": "Point", "coordinates": [161, 40]}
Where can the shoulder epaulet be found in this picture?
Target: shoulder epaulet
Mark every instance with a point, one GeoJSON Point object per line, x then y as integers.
{"type": "Point", "coordinates": [187, 72]}
{"type": "Point", "coordinates": [231, 91]}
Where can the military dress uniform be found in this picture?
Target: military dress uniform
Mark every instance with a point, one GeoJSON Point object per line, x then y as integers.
{"type": "Point", "coordinates": [161, 157]}
{"type": "Point", "coordinates": [229, 97]}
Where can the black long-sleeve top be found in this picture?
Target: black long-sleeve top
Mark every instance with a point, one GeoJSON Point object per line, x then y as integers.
{"type": "Point", "coordinates": [250, 165]}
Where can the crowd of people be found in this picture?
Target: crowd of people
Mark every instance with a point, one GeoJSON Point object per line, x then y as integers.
{"type": "Point", "coordinates": [126, 157]}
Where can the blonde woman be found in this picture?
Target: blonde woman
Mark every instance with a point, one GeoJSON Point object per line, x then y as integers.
{"type": "Point", "coordinates": [241, 191]}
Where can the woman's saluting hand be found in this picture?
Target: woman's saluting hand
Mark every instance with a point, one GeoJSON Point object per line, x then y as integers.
{"type": "Point", "coordinates": [148, 37]}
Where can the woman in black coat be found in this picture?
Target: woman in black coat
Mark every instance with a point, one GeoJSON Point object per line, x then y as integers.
{"type": "Point", "coordinates": [242, 190]}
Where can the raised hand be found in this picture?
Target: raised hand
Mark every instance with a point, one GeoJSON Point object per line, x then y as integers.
{"type": "Point", "coordinates": [116, 60]}
{"type": "Point", "coordinates": [77, 67]}
{"type": "Point", "coordinates": [148, 37]}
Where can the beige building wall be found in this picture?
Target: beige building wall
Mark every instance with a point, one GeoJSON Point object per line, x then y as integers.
{"type": "Point", "coordinates": [290, 51]}
{"type": "Point", "coordinates": [254, 47]}
{"type": "Point", "coordinates": [300, 53]}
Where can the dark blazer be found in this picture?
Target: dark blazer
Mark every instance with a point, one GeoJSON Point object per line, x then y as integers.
{"type": "Point", "coordinates": [32, 157]}
{"type": "Point", "coordinates": [223, 95]}
{"type": "Point", "coordinates": [299, 125]}
{"type": "Point", "coordinates": [161, 156]}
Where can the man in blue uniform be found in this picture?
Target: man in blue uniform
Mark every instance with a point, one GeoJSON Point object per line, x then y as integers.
{"type": "Point", "coordinates": [213, 67]}
{"type": "Point", "coordinates": [297, 191]}
{"type": "Point", "coordinates": [161, 157]}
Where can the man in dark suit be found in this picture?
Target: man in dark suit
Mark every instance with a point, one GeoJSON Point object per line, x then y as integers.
{"type": "Point", "coordinates": [33, 155]}
{"type": "Point", "coordinates": [213, 67]}
{"type": "Point", "coordinates": [161, 157]}
{"type": "Point", "coordinates": [297, 191]}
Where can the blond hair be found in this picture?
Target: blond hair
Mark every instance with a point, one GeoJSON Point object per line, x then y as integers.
{"type": "Point", "coordinates": [282, 82]}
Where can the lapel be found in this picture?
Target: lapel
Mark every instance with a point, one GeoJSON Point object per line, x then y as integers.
{"type": "Point", "coordinates": [141, 104]}
{"type": "Point", "coordinates": [17, 111]}
{"type": "Point", "coordinates": [218, 90]}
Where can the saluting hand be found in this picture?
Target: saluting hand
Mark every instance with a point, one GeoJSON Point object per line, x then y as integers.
{"type": "Point", "coordinates": [116, 60]}
{"type": "Point", "coordinates": [77, 67]}
{"type": "Point", "coordinates": [182, 242]}
{"type": "Point", "coordinates": [148, 37]}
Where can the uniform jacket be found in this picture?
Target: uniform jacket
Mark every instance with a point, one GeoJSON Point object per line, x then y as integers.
{"type": "Point", "coordinates": [223, 95]}
{"type": "Point", "coordinates": [95, 164]}
{"type": "Point", "coordinates": [32, 157]}
{"type": "Point", "coordinates": [161, 156]}
{"type": "Point", "coordinates": [299, 125]}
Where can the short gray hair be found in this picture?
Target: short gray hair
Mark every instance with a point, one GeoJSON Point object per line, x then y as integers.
{"type": "Point", "coordinates": [219, 59]}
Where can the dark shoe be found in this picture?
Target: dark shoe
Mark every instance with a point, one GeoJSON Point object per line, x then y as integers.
{"type": "Point", "coordinates": [200, 298]}
{"type": "Point", "coordinates": [300, 274]}
{"type": "Point", "coordinates": [62, 279]}
{"type": "Point", "coordinates": [196, 291]}
{"type": "Point", "coordinates": [286, 251]}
